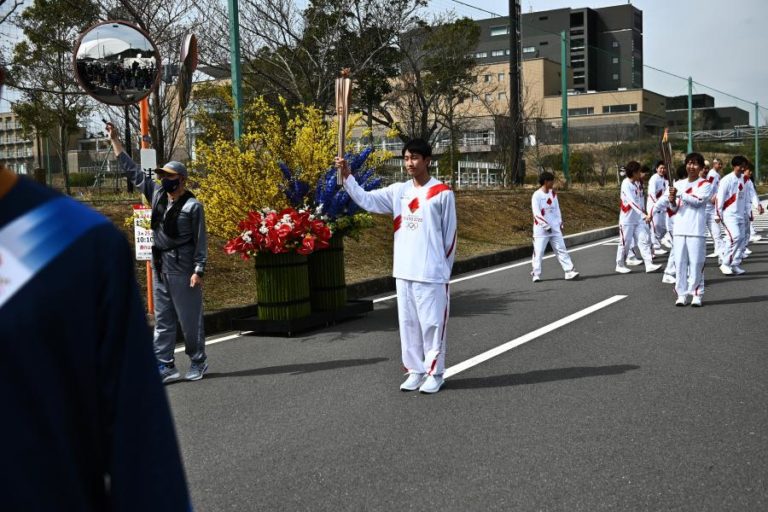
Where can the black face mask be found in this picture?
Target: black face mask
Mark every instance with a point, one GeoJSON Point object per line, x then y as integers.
{"type": "Point", "coordinates": [170, 185]}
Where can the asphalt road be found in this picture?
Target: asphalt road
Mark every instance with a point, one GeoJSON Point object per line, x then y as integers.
{"type": "Point", "coordinates": [638, 405]}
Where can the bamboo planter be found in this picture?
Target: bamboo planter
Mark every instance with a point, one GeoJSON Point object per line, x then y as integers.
{"type": "Point", "coordinates": [327, 283]}
{"type": "Point", "coordinates": [282, 284]}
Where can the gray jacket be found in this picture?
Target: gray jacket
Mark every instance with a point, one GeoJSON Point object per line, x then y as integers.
{"type": "Point", "coordinates": [189, 251]}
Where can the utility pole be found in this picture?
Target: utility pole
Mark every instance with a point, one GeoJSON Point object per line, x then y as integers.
{"type": "Point", "coordinates": [757, 144]}
{"type": "Point", "coordinates": [515, 116]}
{"type": "Point", "coordinates": [234, 52]}
{"type": "Point", "coordinates": [690, 115]}
{"type": "Point", "coordinates": [564, 108]}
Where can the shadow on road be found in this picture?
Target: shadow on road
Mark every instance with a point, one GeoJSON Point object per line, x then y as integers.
{"type": "Point", "coordinates": [298, 369]}
{"type": "Point", "coordinates": [738, 300]}
{"type": "Point", "coordinates": [539, 376]}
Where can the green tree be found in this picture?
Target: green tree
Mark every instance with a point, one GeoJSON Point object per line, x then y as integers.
{"type": "Point", "coordinates": [296, 53]}
{"type": "Point", "coordinates": [435, 74]}
{"type": "Point", "coordinates": [42, 68]}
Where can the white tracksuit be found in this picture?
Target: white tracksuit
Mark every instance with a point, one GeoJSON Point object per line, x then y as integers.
{"type": "Point", "coordinates": [730, 209]}
{"type": "Point", "coordinates": [657, 184]}
{"type": "Point", "coordinates": [690, 235]}
{"type": "Point", "coordinates": [632, 227]}
{"type": "Point", "coordinates": [751, 202]}
{"type": "Point", "coordinates": [662, 206]}
{"type": "Point", "coordinates": [547, 229]}
{"type": "Point", "coordinates": [715, 231]}
{"type": "Point", "coordinates": [424, 250]}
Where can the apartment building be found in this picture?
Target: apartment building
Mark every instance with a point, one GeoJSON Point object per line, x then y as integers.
{"type": "Point", "coordinates": [17, 151]}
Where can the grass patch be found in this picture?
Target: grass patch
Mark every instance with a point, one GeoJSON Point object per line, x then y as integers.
{"type": "Point", "coordinates": [489, 221]}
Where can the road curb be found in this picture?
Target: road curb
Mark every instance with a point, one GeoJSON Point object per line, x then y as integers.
{"type": "Point", "coordinates": [220, 320]}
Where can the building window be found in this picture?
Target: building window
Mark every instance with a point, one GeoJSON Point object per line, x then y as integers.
{"type": "Point", "coordinates": [583, 111]}
{"type": "Point", "coordinates": [499, 31]}
{"type": "Point", "coordinates": [615, 44]}
{"type": "Point", "coordinates": [529, 49]}
{"type": "Point", "coordinates": [543, 43]}
{"type": "Point", "coordinates": [543, 18]}
{"type": "Point", "coordinates": [501, 96]}
{"type": "Point", "coordinates": [615, 76]}
{"type": "Point", "coordinates": [488, 97]}
{"type": "Point", "coordinates": [628, 107]}
{"type": "Point", "coordinates": [615, 60]}
{"type": "Point", "coordinates": [577, 19]}
{"type": "Point", "coordinates": [500, 77]}
{"type": "Point", "coordinates": [497, 53]}
{"type": "Point", "coordinates": [481, 55]}
{"type": "Point", "coordinates": [506, 52]}
{"type": "Point", "coordinates": [486, 78]}
{"type": "Point", "coordinates": [577, 44]}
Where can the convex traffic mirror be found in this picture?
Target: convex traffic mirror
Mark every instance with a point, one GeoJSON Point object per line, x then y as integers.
{"type": "Point", "coordinates": [117, 63]}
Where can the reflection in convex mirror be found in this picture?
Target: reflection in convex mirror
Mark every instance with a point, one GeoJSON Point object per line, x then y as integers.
{"type": "Point", "coordinates": [117, 63]}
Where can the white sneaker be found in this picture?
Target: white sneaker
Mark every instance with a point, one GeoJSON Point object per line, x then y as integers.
{"type": "Point", "coordinates": [696, 301]}
{"type": "Point", "coordinates": [535, 279]}
{"type": "Point", "coordinates": [571, 274]}
{"type": "Point", "coordinates": [666, 243]}
{"type": "Point", "coordinates": [633, 262]}
{"type": "Point", "coordinates": [747, 252]}
{"type": "Point", "coordinates": [713, 254]}
{"type": "Point", "coordinates": [737, 270]}
{"type": "Point", "coordinates": [653, 267]}
{"type": "Point", "coordinates": [681, 300]}
{"type": "Point", "coordinates": [413, 382]}
{"type": "Point", "coordinates": [725, 269]}
{"type": "Point", "coordinates": [668, 279]}
{"type": "Point", "coordinates": [755, 238]}
{"type": "Point", "coordinates": [432, 384]}
{"type": "Point", "coordinates": [622, 270]}
{"type": "Point", "coordinates": [660, 252]}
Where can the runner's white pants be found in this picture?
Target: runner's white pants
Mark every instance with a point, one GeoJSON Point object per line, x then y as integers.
{"type": "Point", "coordinates": [716, 232]}
{"type": "Point", "coordinates": [735, 242]}
{"type": "Point", "coordinates": [422, 311]}
{"type": "Point", "coordinates": [640, 234]}
{"type": "Point", "coordinates": [658, 228]}
{"type": "Point", "coordinates": [690, 254]}
{"type": "Point", "coordinates": [557, 243]}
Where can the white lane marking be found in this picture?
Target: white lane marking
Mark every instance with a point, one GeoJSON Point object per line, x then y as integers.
{"type": "Point", "coordinates": [217, 340]}
{"type": "Point", "coordinates": [390, 297]}
{"type": "Point", "coordinates": [485, 356]}
{"type": "Point", "coordinates": [501, 269]}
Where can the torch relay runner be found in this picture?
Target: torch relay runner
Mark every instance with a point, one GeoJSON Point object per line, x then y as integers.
{"type": "Point", "coordinates": [425, 231]}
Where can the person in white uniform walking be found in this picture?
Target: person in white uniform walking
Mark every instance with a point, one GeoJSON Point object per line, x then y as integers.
{"type": "Point", "coordinates": [547, 228]}
{"type": "Point", "coordinates": [730, 209]}
{"type": "Point", "coordinates": [688, 199]}
{"type": "Point", "coordinates": [631, 216]}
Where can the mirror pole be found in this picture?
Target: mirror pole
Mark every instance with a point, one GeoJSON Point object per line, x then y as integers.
{"type": "Point", "coordinates": [144, 123]}
{"type": "Point", "coordinates": [234, 51]}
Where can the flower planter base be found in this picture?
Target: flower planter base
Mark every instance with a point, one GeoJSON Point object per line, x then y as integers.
{"type": "Point", "coordinates": [314, 321]}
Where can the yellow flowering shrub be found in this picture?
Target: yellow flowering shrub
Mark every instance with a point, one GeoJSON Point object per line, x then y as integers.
{"type": "Point", "coordinates": [238, 177]}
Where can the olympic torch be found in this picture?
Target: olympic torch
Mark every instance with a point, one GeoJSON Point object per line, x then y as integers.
{"type": "Point", "coordinates": [666, 156]}
{"type": "Point", "coordinates": [343, 90]}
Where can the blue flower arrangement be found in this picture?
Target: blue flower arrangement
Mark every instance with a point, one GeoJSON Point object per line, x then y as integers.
{"type": "Point", "coordinates": [330, 201]}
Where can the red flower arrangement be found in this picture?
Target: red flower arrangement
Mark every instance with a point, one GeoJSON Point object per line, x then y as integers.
{"type": "Point", "coordinates": [279, 232]}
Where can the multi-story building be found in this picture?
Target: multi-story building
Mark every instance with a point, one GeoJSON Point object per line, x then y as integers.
{"type": "Point", "coordinates": [605, 46]}
{"type": "Point", "coordinates": [706, 116]}
{"type": "Point", "coordinates": [23, 153]}
{"type": "Point", "coordinates": [17, 152]}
